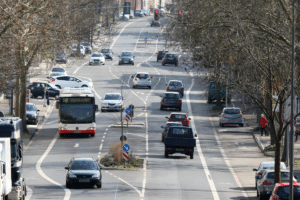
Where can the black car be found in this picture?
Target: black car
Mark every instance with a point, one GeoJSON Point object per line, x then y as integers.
{"type": "Point", "coordinates": [32, 113]}
{"type": "Point", "coordinates": [61, 59]}
{"type": "Point", "coordinates": [160, 55]}
{"type": "Point", "coordinates": [155, 23]}
{"type": "Point", "coordinates": [87, 47]}
{"type": "Point", "coordinates": [108, 53]}
{"type": "Point", "coordinates": [38, 88]}
{"type": "Point", "coordinates": [166, 128]}
{"type": "Point", "coordinates": [126, 58]}
{"type": "Point", "coordinates": [83, 171]}
{"type": "Point", "coordinates": [170, 58]}
{"type": "Point", "coordinates": [170, 100]}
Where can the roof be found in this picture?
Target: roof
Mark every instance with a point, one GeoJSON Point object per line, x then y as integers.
{"type": "Point", "coordinates": [83, 92]}
{"type": "Point", "coordinates": [142, 73]}
{"type": "Point", "coordinates": [175, 81]}
{"type": "Point", "coordinates": [172, 93]}
{"type": "Point", "coordinates": [87, 159]}
{"type": "Point", "coordinates": [112, 93]}
{"type": "Point", "coordinates": [174, 123]}
{"type": "Point", "coordinates": [178, 113]}
{"type": "Point", "coordinates": [273, 170]}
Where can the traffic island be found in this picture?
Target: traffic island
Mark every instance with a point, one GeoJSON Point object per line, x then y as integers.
{"type": "Point", "coordinates": [114, 159]}
{"type": "Point", "coordinates": [135, 124]}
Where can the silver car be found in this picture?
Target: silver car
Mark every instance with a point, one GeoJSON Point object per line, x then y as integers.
{"type": "Point", "coordinates": [112, 102]}
{"type": "Point", "coordinates": [141, 79]}
{"type": "Point", "coordinates": [97, 58]}
{"type": "Point", "coordinates": [175, 86]}
{"type": "Point", "coordinates": [265, 185]}
{"type": "Point", "coordinates": [264, 166]}
{"type": "Point", "coordinates": [231, 116]}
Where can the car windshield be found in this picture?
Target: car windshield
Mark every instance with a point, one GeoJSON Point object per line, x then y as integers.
{"type": "Point", "coordinates": [126, 54]}
{"type": "Point", "coordinates": [232, 111]}
{"type": "Point", "coordinates": [97, 55]}
{"type": "Point", "coordinates": [77, 113]}
{"type": "Point", "coordinates": [58, 70]}
{"type": "Point", "coordinates": [271, 166]}
{"type": "Point", "coordinates": [284, 175]}
{"type": "Point", "coordinates": [30, 107]}
{"type": "Point", "coordinates": [113, 97]}
{"type": "Point", "coordinates": [178, 116]}
{"type": "Point", "coordinates": [105, 51]}
{"type": "Point", "coordinates": [170, 56]}
{"type": "Point", "coordinates": [175, 83]}
{"type": "Point", "coordinates": [142, 76]}
{"type": "Point", "coordinates": [84, 165]}
{"type": "Point", "coordinates": [283, 192]}
{"type": "Point", "coordinates": [171, 96]}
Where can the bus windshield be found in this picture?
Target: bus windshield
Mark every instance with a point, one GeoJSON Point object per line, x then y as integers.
{"type": "Point", "coordinates": [77, 113]}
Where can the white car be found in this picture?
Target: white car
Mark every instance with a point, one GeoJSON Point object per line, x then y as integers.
{"type": "Point", "coordinates": [70, 81]}
{"type": "Point", "coordinates": [82, 49]}
{"type": "Point", "coordinates": [112, 102]}
{"type": "Point", "coordinates": [141, 79]}
{"type": "Point", "coordinates": [57, 71]}
{"type": "Point", "coordinates": [97, 58]}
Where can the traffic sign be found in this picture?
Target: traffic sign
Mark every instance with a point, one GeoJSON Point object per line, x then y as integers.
{"type": "Point", "coordinates": [127, 117]}
{"type": "Point", "coordinates": [128, 110]}
{"type": "Point", "coordinates": [147, 33]}
{"type": "Point", "coordinates": [145, 39]}
{"type": "Point", "coordinates": [145, 42]}
{"type": "Point", "coordinates": [126, 147]}
{"type": "Point", "coordinates": [125, 156]}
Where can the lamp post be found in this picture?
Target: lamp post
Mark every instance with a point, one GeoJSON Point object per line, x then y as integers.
{"type": "Point", "coordinates": [291, 194]}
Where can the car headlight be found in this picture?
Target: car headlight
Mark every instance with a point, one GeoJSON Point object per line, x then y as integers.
{"type": "Point", "coordinates": [131, 59]}
{"type": "Point", "coordinates": [62, 128]}
{"type": "Point", "coordinates": [96, 175]}
{"type": "Point", "coordinates": [71, 175]}
{"type": "Point", "coordinates": [91, 128]}
{"type": "Point", "coordinates": [118, 104]}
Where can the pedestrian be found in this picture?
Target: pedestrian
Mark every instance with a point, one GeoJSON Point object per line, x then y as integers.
{"type": "Point", "coordinates": [263, 124]}
{"type": "Point", "coordinates": [45, 97]}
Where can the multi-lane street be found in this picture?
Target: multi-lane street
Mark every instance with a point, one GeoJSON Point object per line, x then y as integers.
{"type": "Point", "coordinates": [207, 176]}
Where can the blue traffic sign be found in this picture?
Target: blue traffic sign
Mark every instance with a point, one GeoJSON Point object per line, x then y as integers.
{"type": "Point", "coordinates": [128, 110]}
{"type": "Point", "coordinates": [146, 33]}
{"type": "Point", "coordinates": [126, 147]}
{"type": "Point", "coordinates": [146, 39]}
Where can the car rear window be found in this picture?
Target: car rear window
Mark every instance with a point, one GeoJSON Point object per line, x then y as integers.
{"type": "Point", "coordinates": [178, 116]}
{"type": "Point", "coordinates": [284, 175]}
{"type": "Point", "coordinates": [170, 56]}
{"type": "Point", "coordinates": [171, 96]}
{"type": "Point", "coordinates": [232, 111]}
{"type": "Point", "coordinates": [175, 83]}
{"type": "Point", "coordinates": [283, 192]}
{"type": "Point", "coordinates": [142, 76]}
{"type": "Point", "coordinates": [58, 70]}
{"type": "Point", "coordinates": [180, 132]}
{"type": "Point", "coordinates": [84, 165]}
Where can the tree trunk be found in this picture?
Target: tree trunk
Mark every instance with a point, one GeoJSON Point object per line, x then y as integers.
{"type": "Point", "coordinates": [17, 97]}
{"type": "Point", "coordinates": [23, 97]}
{"type": "Point", "coordinates": [277, 161]}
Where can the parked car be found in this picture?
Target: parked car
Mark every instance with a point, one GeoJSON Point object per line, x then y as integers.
{"type": "Point", "coordinates": [131, 15]}
{"type": "Point", "coordinates": [179, 117]}
{"type": "Point", "coordinates": [170, 100]}
{"type": "Point", "coordinates": [83, 171]}
{"type": "Point", "coordinates": [126, 57]}
{"type": "Point", "coordinates": [231, 116]}
{"type": "Point", "coordinates": [97, 58]}
{"type": "Point", "coordinates": [108, 53]}
{"type": "Point", "coordinates": [32, 114]}
{"type": "Point", "coordinates": [59, 71]}
{"type": "Point", "coordinates": [37, 89]}
{"type": "Point", "coordinates": [155, 23]}
{"type": "Point", "coordinates": [175, 86]}
{"type": "Point", "coordinates": [180, 140]}
{"type": "Point", "coordinates": [161, 54]}
{"type": "Point", "coordinates": [61, 59]}
{"type": "Point", "coordinates": [139, 13]}
{"type": "Point", "coordinates": [212, 92]}
{"type": "Point", "coordinates": [146, 12]}
{"type": "Point", "coordinates": [264, 166]}
{"type": "Point", "coordinates": [70, 81]}
{"type": "Point", "coordinates": [81, 49]}
{"type": "Point", "coordinates": [166, 128]}
{"type": "Point", "coordinates": [88, 49]}
{"type": "Point", "coordinates": [112, 102]}
{"type": "Point", "coordinates": [170, 58]}
{"type": "Point", "coordinates": [265, 185]}
{"type": "Point", "coordinates": [141, 79]}
{"type": "Point", "coordinates": [121, 15]}
{"type": "Point", "coordinates": [281, 191]}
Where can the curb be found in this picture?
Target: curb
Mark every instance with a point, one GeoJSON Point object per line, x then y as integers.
{"type": "Point", "coordinates": [125, 169]}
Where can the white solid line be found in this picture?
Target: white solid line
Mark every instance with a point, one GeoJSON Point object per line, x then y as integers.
{"type": "Point", "coordinates": [29, 193]}
{"type": "Point", "coordinates": [76, 145]}
{"type": "Point", "coordinates": [52, 121]}
{"type": "Point", "coordinates": [40, 171]}
{"type": "Point", "coordinates": [203, 162]}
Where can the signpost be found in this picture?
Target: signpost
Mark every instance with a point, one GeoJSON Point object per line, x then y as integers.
{"type": "Point", "coordinates": [145, 41]}
{"type": "Point", "coordinates": [128, 111]}
{"type": "Point", "coordinates": [126, 149]}
{"type": "Point", "coordinates": [27, 95]}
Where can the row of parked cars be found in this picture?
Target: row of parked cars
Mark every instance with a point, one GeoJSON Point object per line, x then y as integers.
{"type": "Point", "coordinates": [138, 13]}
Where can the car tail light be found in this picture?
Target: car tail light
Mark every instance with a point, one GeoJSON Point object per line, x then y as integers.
{"type": "Point", "coordinates": [53, 80]}
{"type": "Point", "coordinates": [223, 115]}
{"type": "Point", "coordinates": [157, 53]}
{"type": "Point", "coordinates": [162, 100]}
{"type": "Point", "coordinates": [164, 132]}
{"type": "Point", "coordinates": [259, 174]}
{"type": "Point", "coordinates": [267, 183]}
{"type": "Point", "coordinates": [168, 88]}
{"type": "Point", "coordinates": [241, 116]}
{"type": "Point", "coordinates": [179, 101]}
{"type": "Point", "coordinates": [149, 79]}
{"type": "Point", "coordinates": [182, 88]}
{"type": "Point", "coordinates": [135, 78]}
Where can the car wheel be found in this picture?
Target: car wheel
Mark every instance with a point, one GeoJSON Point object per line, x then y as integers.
{"type": "Point", "coordinates": [241, 125]}
{"type": "Point", "coordinates": [166, 154]}
{"type": "Point", "coordinates": [99, 186]}
{"type": "Point", "coordinates": [56, 96]}
{"type": "Point", "coordinates": [257, 191]}
{"type": "Point", "coordinates": [161, 108]}
{"type": "Point", "coordinates": [222, 125]}
{"type": "Point", "coordinates": [111, 59]}
{"type": "Point", "coordinates": [119, 63]}
{"type": "Point", "coordinates": [103, 63]}
{"type": "Point", "coordinates": [68, 185]}
{"type": "Point", "coordinates": [133, 63]}
{"type": "Point", "coordinates": [261, 197]}
{"type": "Point", "coordinates": [157, 60]}
{"type": "Point", "coordinates": [209, 101]}
{"type": "Point", "coordinates": [102, 110]}
{"type": "Point", "coordinates": [162, 139]}
{"type": "Point", "coordinates": [179, 109]}
{"type": "Point", "coordinates": [149, 87]}
{"type": "Point", "coordinates": [163, 64]}
{"type": "Point", "coordinates": [90, 64]}
{"type": "Point", "coordinates": [58, 86]}
{"type": "Point", "coordinates": [176, 64]}
{"type": "Point", "coordinates": [192, 155]}
{"type": "Point", "coordinates": [35, 122]}
{"type": "Point", "coordinates": [62, 135]}
{"type": "Point", "coordinates": [93, 134]}
{"type": "Point", "coordinates": [84, 86]}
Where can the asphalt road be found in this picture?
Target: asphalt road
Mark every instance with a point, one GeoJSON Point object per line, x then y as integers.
{"type": "Point", "coordinates": [207, 176]}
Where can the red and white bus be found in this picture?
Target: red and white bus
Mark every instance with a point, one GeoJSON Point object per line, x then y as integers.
{"type": "Point", "coordinates": [76, 111]}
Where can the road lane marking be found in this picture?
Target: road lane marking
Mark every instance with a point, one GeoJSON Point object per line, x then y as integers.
{"type": "Point", "coordinates": [52, 121]}
{"type": "Point", "coordinates": [40, 171]}
{"type": "Point", "coordinates": [29, 192]}
{"type": "Point", "coordinates": [76, 145]}
{"type": "Point", "coordinates": [203, 162]}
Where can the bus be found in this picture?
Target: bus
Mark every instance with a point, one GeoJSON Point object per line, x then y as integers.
{"type": "Point", "coordinates": [76, 112]}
